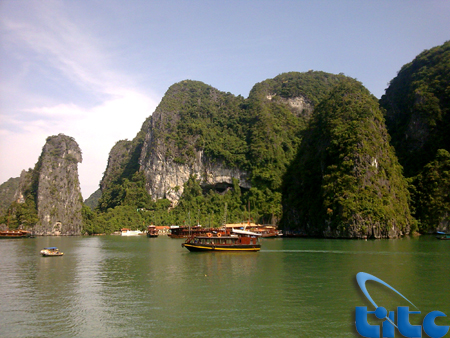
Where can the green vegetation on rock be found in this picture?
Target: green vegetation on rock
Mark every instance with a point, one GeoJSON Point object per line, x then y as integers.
{"type": "Point", "coordinates": [430, 191]}
{"type": "Point", "coordinates": [345, 180]}
{"type": "Point", "coordinates": [417, 104]}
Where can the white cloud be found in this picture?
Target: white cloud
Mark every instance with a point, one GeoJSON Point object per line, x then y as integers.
{"type": "Point", "coordinates": [47, 36]}
{"type": "Point", "coordinates": [96, 130]}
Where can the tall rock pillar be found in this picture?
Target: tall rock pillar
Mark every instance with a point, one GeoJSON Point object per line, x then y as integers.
{"type": "Point", "coordinates": [59, 199]}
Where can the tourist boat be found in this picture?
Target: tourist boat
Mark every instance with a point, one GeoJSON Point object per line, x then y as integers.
{"type": "Point", "coordinates": [14, 234]}
{"type": "Point", "coordinates": [236, 240]}
{"type": "Point", "coordinates": [128, 232]}
{"type": "Point", "coordinates": [51, 251]}
{"type": "Point", "coordinates": [152, 231]}
{"type": "Point", "coordinates": [443, 235]}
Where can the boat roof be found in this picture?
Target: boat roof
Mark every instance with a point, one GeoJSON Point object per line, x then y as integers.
{"type": "Point", "coordinates": [221, 237]}
{"type": "Point", "coordinates": [245, 232]}
{"type": "Point", "coordinates": [51, 248]}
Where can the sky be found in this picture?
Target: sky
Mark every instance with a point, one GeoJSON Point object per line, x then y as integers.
{"type": "Point", "coordinates": [96, 69]}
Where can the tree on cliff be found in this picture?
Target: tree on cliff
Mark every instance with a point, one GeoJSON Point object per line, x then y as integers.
{"type": "Point", "coordinates": [431, 194]}
{"type": "Point", "coordinates": [345, 180]}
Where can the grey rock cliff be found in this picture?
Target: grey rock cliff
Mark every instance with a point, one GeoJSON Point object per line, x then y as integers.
{"type": "Point", "coordinates": [165, 177]}
{"type": "Point", "coordinates": [59, 200]}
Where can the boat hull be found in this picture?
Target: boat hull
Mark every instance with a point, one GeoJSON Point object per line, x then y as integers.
{"type": "Point", "coordinates": [7, 236]}
{"type": "Point", "coordinates": [52, 255]}
{"type": "Point", "coordinates": [15, 234]}
{"type": "Point", "coordinates": [210, 247]}
{"type": "Point", "coordinates": [132, 233]}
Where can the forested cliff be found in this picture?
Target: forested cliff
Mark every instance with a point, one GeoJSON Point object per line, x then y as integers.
{"type": "Point", "coordinates": [417, 104]}
{"type": "Point", "coordinates": [313, 152]}
{"type": "Point", "coordinates": [202, 148]}
{"type": "Point", "coordinates": [345, 180]}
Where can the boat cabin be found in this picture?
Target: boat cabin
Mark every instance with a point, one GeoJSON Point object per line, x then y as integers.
{"type": "Point", "coordinates": [224, 240]}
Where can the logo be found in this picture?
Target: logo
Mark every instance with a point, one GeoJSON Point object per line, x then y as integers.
{"type": "Point", "coordinates": [388, 326]}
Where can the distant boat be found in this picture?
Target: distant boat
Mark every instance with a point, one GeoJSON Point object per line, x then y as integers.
{"type": "Point", "coordinates": [267, 231]}
{"type": "Point", "coordinates": [186, 231]}
{"type": "Point", "coordinates": [152, 231]}
{"type": "Point", "coordinates": [51, 251]}
{"type": "Point", "coordinates": [128, 232]}
{"type": "Point", "coordinates": [237, 240]}
{"type": "Point", "coordinates": [443, 235]}
{"type": "Point", "coordinates": [14, 234]}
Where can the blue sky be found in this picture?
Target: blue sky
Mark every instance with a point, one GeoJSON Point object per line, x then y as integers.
{"type": "Point", "coordinates": [95, 70]}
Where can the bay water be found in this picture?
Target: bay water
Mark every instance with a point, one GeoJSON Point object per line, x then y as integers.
{"type": "Point", "coordinates": [113, 286]}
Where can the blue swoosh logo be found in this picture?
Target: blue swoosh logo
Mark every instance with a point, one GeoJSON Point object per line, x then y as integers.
{"type": "Point", "coordinates": [363, 277]}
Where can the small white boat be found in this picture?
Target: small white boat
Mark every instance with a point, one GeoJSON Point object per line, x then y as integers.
{"type": "Point", "coordinates": [128, 232]}
{"type": "Point", "coordinates": [51, 251]}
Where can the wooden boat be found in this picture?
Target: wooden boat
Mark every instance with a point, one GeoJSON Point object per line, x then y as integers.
{"type": "Point", "coordinates": [443, 235]}
{"type": "Point", "coordinates": [237, 240]}
{"type": "Point", "coordinates": [152, 231]}
{"type": "Point", "coordinates": [128, 232]}
{"type": "Point", "coordinates": [51, 251]}
{"type": "Point", "coordinates": [14, 234]}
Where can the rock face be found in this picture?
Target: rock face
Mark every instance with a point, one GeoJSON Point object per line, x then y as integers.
{"type": "Point", "coordinates": [58, 193]}
{"type": "Point", "coordinates": [300, 105]}
{"type": "Point", "coordinates": [25, 182]}
{"type": "Point", "coordinates": [7, 191]}
{"type": "Point", "coordinates": [165, 178]}
{"type": "Point", "coordinates": [123, 159]}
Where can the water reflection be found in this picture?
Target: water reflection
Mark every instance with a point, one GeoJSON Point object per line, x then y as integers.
{"type": "Point", "coordinates": [111, 286]}
{"type": "Point", "coordinates": [326, 271]}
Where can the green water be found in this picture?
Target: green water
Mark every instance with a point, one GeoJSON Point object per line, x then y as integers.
{"type": "Point", "coordinates": [113, 286]}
